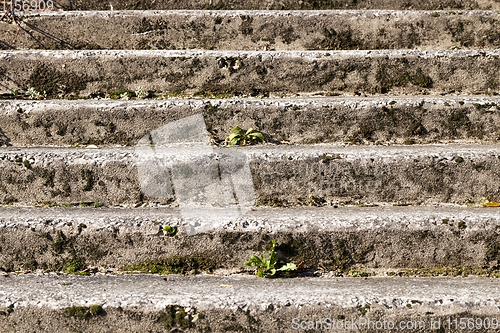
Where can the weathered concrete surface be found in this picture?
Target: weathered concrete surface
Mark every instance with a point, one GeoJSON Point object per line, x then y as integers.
{"type": "Point", "coordinates": [435, 240]}
{"type": "Point", "coordinates": [276, 5]}
{"type": "Point", "coordinates": [295, 120]}
{"type": "Point", "coordinates": [257, 30]}
{"type": "Point", "coordinates": [238, 303]}
{"type": "Point", "coordinates": [282, 174]}
{"type": "Point", "coordinates": [94, 73]}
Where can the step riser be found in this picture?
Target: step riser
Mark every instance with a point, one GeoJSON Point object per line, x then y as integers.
{"type": "Point", "coordinates": [125, 320]}
{"type": "Point", "coordinates": [403, 120]}
{"type": "Point", "coordinates": [334, 239]}
{"type": "Point", "coordinates": [279, 177]}
{"type": "Point", "coordinates": [248, 30]}
{"type": "Point", "coordinates": [277, 5]}
{"type": "Point", "coordinates": [256, 73]}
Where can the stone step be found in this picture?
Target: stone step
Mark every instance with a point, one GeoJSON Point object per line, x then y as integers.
{"type": "Point", "coordinates": [262, 174]}
{"type": "Point", "coordinates": [257, 30]}
{"type": "Point", "coordinates": [367, 120]}
{"type": "Point", "coordinates": [345, 241]}
{"type": "Point", "coordinates": [133, 303]}
{"type": "Point", "coordinates": [251, 73]}
{"type": "Point", "coordinates": [275, 5]}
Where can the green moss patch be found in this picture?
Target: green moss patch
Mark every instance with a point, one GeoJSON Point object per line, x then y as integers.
{"type": "Point", "coordinates": [339, 40]}
{"type": "Point", "coordinates": [448, 271]}
{"type": "Point", "coordinates": [175, 316]}
{"type": "Point", "coordinates": [83, 312]}
{"type": "Point", "coordinates": [174, 265]}
{"type": "Point", "coordinates": [54, 82]}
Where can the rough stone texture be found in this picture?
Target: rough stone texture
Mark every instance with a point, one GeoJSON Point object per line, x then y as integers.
{"type": "Point", "coordinates": [282, 174]}
{"type": "Point", "coordinates": [94, 73]}
{"type": "Point", "coordinates": [136, 303]}
{"type": "Point", "coordinates": [373, 238]}
{"type": "Point", "coordinates": [298, 121]}
{"type": "Point", "coordinates": [277, 5]}
{"type": "Point", "coordinates": [257, 30]}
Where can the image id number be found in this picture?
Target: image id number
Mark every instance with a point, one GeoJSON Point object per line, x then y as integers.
{"type": "Point", "coordinates": [29, 5]}
{"type": "Point", "coordinates": [471, 323]}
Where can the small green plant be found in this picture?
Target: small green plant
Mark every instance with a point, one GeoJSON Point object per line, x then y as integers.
{"type": "Point", "coordinates": [266, 267]}
{"type": "Point", "coordinates": [33, 94]}
{"type": "Point", "coordinates": [242, 138]}
{"type": "Point", "coordinates": [124, 96]}
{"type": "Point", "coordinates": [14, 93]}
{"type": "Point", "coordinates": [314, 201]}
{"type": "Point", "coordinates": [485, 202]}
{"type": "Point", "coordinates": [140, 93]}
{"type": "Point", "coordinates": [170, 231]}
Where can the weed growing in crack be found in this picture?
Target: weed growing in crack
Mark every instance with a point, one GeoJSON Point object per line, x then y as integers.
{"type": "Point", "coordinates": [265, 267]}
{"type": "Point", "coordinates": [140, 93]}
{"type": "Point", "coordinates": [243, 137]}
{"type": "Point", "coordinates": [33, 94]}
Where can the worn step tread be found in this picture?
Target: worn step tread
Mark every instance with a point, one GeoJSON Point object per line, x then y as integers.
{"type": "Point", "coordinates": [248, 292]}
{"type": "Point", "coordinates": [368, 120]}
{"type": "Point", "coordinates": [263, 304]}
{"type": "Point", "coordinates": [251, 73]}
{"type": "Point", "coordinates": [259, 219]}
{"type": "Point", "coordinates": [414, 240]}
{"type": "Point", "coordinates": [277, 5]}
{"type": "Point", "coordinates": [281, 174]}
{"type": "Point", "coordinates": [257, 30]}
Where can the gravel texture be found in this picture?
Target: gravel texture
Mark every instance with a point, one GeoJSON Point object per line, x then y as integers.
{"type": "Point", "coordinates": [282, 174]}
{"type": "Point", "coordinates": [378, 239]}
{"type": "Point", "coordinates": [257, 30]}
{"type": "Point", "coordinates": [260, 219]}
{"type": "Point", "coordinates": [368, 120]}
{"type": "Point", "coordinates": [139, 302]}
{"type": "Point", "coordinates": [277, 5]}
{"type": "Point", "coordinates": [251, 73]}
{"type": "Point", "coordinates": [249, 293]}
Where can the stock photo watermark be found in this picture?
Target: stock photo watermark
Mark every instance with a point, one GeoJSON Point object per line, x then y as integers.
{"type": "Point", "coordinates": [352, 324]}
{"type": "Point", "coordinates": [212, 186]}
{"type": "Point", "coordinates": [27, 5]}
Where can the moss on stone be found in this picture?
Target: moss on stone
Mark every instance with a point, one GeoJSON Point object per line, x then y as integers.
{"type": "Point", "coordinates": [175, 316]}
{"type": "Point", "coordinates": [31, 265]}
{"type": "Point", "coordinates": [54, 82]}
{"type": "Point", "coordinates": [83, 312]}
{"type": "Point", "coordinates": [88, 176]}
{"type": "Point", "coordinates": [175, 265]}
{"type": "Point", "coordinates": [73, 265]}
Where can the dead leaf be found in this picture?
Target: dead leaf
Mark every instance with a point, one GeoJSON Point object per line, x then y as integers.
{"type": "Point", "coordinates": [492, 204]}
{"type": "Point", "coordinates": [300, 267]}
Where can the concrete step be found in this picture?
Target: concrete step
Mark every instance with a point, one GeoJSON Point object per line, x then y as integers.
{"type": "Point", "coordinates": [275, 5]}
{"type": "Point", "coordinates": [257, 30]}
{"type": "Point", "coordinates": [366, 120]}
{"type": "Point", "coordinates": [253, 73]}
{"type": "Point", "coordinates": [343, 241]}
{"type": "Point", "coordinates": [269, 174]}
{"type": "Point", "coordinates": [215, 304]}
